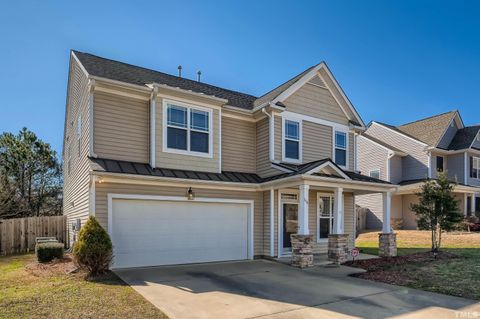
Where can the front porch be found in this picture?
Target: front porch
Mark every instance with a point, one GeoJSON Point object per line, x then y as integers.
{"type": "Point", "coordinates": [312, 217]}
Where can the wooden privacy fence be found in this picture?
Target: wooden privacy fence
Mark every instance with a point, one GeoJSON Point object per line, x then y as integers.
{"type": "Point", "coordinates": [18, 235]}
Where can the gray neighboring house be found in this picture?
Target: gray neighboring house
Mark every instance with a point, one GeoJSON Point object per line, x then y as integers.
{"type": "Point", "coordinates": [408, 154]}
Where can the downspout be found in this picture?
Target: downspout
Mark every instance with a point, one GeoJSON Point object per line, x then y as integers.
{"type": "Point", "coordinates": [389, 166]}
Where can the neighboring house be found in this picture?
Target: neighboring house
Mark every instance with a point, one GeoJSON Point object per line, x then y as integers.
{"type": "Point", "coordinates": [408, 154]}
{"type": "Point", "coordinates": [181, 171]}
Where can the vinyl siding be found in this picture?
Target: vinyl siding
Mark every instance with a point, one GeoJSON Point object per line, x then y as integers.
{"type": "Point", "coordinates": [351, 152]}
{"type": "Point", "coordinates": [476, 142]}
{"type": "Point", "coordinates": [121, 127]}
{"type": "Point", "coordinates": [263, 165]}
{"type": "Point", "coordinates": [278, 136]}
{"type": "Point", "coordinates": [76, 184]}
{"type": "Point", "coordinates": [315, 101]}
{"type": "Point", "coordinates": [317, 141]}
{"type": "Point", "coordinates": [181, 161]}
{"type": "Point", "coordinates": [103, 189]}
{"type": "Point", "coordinates": [408, 216]}
{"type": "Point", "coordinates": [238, 145]}
{"type": "Point", "coordinates": [415, 164]}
{"type": "Point", "coordinates": [374, 204]}
{"type": "Point", "coordinates": [371, 156]}
{"type": "Point", "coordinates": [455, 167]}
{"type": "Point", "coordinates": [448, 136]}
{"type": "Point", "coordinates": [396, 164]}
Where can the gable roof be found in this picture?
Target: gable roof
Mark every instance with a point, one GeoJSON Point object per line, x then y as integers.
{"type": "Point", "coordinates": [123, 72]}
{"type": "Point", "coordinates": [131, 74]}
{"type": "Point", "coordinates": [464, 138]}
{"type": "Point", "coordinates": [394, 128]}
{"type": "Point", "coordinates": [429, 130]}
{"type": "Point", "coordinates": [382, 143]}
{"type": "Point", "coordinates": [271, 95]}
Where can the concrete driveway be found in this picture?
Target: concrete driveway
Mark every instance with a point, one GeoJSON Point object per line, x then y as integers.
{"type": "Point", "coordinates": [266, 289]}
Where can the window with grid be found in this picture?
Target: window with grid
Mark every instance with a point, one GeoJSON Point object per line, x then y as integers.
{"type": "Point", "coordinates": [292, 140]}
{"type": "Point", "coordinates": [475, 167]}
{"type": "Point", "coordinates": [188, 129]}
{"type": "Point", "coordinates": [341, 148]}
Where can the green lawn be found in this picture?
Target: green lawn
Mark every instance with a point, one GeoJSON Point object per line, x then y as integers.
{"type": "Point", "coordinates": [458, 276]}
{"type": "Point", "coordinates": [27, 294]}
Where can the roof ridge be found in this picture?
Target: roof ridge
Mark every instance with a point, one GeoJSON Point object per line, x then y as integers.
{"type": "Point", "coordinates": [427, 118]}
{"type": "Point", "coordinates": [167, 74]}
{"type": "Point", "coordinates": [285, 82]}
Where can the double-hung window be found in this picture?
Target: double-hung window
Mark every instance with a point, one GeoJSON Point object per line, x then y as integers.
{"type": "Point", "coordinates": [188, 129]}
{"type": "Point", "coordinates": [341, 148]}
{"type": "Point", "coordinates": [291, 140]}
{"type": "Point", "coordinates": [325, 216]}
{"type": "Point", "coordinates": [475, 167]}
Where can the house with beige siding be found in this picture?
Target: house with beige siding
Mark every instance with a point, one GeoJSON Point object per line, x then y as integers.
{"type": "Point", "coordinates": [409, 154]}
{"type": "Point", "coordinates": [179, 171]}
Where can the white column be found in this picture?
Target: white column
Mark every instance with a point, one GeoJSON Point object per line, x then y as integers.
{"type": "Point", "coordinates": [465, 204]}
{"type": "Point", "coordinates": [303, 210]}
{"type": "Point", "coordinates": [387, 207]}
{"type": "Point", "coordinates": [272, 222]}
{"type": "Point", "coordinates": [338, 214]}
{"type": "Point", "coordinates": [472, 204]}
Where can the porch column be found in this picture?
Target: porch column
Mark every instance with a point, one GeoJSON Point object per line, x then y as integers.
{"type": "Point", "coordinates": [472, 204]}
{"type": "Point", "coordinates": [337, 240]}
{"type": "Point", "coordinates": [338, 212]}
{"type": "Point", "coordinates": [387, 239]}
{"type": "Point", "coordinates": [303, 210]}
{"type": "Point", "coordinates": [465, 204]}
{"type": "Point", "coordinates": [302, 241]}
{"type": "Point", "coordinates": [387, 208]}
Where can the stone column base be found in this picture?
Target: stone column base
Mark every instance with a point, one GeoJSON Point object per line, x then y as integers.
{"type": "Point", "coordinates": [338, 248]}
{"type": "Point", "coordinates": [387, 245]}
{"type": "Point", "coordinates": [302, 250]}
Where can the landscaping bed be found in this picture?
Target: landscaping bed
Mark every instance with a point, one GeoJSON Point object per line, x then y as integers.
{"type": "Point", "coordinates": [455, 271]}
{"type": "Point", "coordinates": [397, 270]}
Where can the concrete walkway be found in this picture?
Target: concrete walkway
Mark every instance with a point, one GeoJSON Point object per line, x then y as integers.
{"type": "Point", "coordinates": [265, 289]}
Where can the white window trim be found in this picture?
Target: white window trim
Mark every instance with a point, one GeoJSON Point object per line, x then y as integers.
{"type": "Point", "coordinates": [332, 197]}
{"type": "Point", "coordinates": [375, 170]}
{"type": "Point", "coordinates": [347, 137]}
{"type": "Point", "coordinates": [165, 147]}
{"type": "Point", "coordinates": [300, 141]}
{"type": "Point", "coordinates": [475, 159]}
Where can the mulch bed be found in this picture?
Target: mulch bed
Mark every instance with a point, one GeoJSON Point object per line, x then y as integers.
{"type": "Point", "coordinates": [389, 269]}
{"type": "Point", "coordinates": [55, 267]}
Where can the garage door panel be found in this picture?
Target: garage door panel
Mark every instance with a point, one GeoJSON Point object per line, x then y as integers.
{"type": "Point", "coordinates": [152, 232]}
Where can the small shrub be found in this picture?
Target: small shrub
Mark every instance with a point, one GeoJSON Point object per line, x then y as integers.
{"type": "Point", "coordinates": [93, 249]}
{"type": "Point", "coordinates": [48, 251]}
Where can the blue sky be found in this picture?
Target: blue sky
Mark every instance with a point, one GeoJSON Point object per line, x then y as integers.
{"type": "Point", "coordinates": [396, 60]}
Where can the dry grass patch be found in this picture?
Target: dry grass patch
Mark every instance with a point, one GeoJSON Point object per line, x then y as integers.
{"type": "Point", "coordinates": [31, 290]}
{"type": "Point", "coordinates": [421, 238]}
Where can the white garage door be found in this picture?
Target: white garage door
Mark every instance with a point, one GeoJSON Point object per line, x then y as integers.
{"type": "Point", "coordinates": [154, 232]}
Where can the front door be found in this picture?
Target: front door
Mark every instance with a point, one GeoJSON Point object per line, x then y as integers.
{"type": "Point", "coordinates": [290, 224]}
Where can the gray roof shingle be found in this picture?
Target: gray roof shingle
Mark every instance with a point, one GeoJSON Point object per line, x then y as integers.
{"type": "Point", "coordinates": [119, 71]}
{"type": "Point", "coordinates": [464, 138]}
{"type": "Point", "coordinates": [429, 130]}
